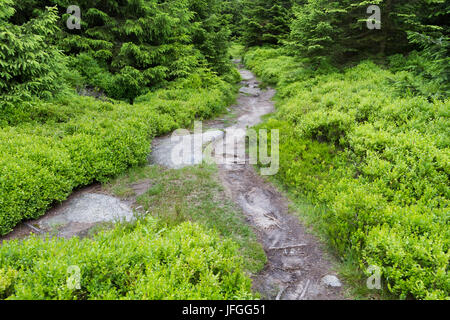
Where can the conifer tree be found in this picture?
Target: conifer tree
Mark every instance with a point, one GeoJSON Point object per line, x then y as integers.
{"type": "Point", "coordinates": [30, 66]}
{"type": "Point", "coordinates": [211, 33]}
{"type": "Point", "coordinates": [232, 13]}
{"type": "Point", "coordinates": [338, 29]}
{"type": "Point", "coordinates": [266, 21]}
{"type": "Point", "coordinates": [127, 47]}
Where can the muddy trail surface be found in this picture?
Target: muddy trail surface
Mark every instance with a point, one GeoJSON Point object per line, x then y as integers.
{"type": "Point", "coordinates": [297, 267]}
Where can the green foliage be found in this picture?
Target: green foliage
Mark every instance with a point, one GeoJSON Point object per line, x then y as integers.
{"type": "Point", "coordinates": [265, 22]}
{"type": "Point", "coordinates": [78, 140]}
{"type": "Point", "coordinates": [131, 47]}
{"type": "Point", "coordinates": [266, 64]}
{"type": "Point", "coordinates": [138, 45]}
{"type": "Point", "coordinates": [191, 194]}
{"type": "Point", "coordinates": [379, 162]}
{"type": "Point", "coordinates": [313, 32]}
{"type": "Point", "coordinates": [145, 261]}
{"type": "Point", "coordinates": [211, 33]}
{"type": "Point", "coordinates": [29, 64]}
{"type": "Point", "coordinates": [232, 13]}
{"type": "Point", "coordinates": [431, 67]}
{"type": "Point", "coordinates": [7, 278]}
{"type": "Point", "coordinates": [336, 30]}
{"type": "Point", "coordinates": [326, 33]}
{"type": "Point", "coordinates": [369, 144]}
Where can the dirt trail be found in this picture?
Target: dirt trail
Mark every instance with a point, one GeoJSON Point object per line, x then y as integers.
{"type": "Point", "coordinates": [296, 268]}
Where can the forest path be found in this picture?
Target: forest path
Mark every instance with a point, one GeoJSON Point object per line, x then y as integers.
{"type": "Point", "coordinates": [297, 267]}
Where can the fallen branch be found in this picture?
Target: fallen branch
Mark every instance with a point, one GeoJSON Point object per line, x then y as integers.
{"type": "Point", "coordinates": [33, 228]}
{"type": "Point", "coordinates": [271, 218]}
{"type": "Point", "coordinates": [288, 247]}
{"type": "Point", "coordinates": [280, 293]}
{"type": "Point", "coordinates": [304, 290]}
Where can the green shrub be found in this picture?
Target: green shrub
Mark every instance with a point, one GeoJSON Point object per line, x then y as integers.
{"type": "Point", "coordinates": [377, 160]}
{"type": "Point", "coordinates": [267, 63]}
{"type": "Point", "coordinates": [146, 260]}
{"type": "Point", "coordinates": [75, 141]}
{"type": "Point", "coordinates": [7, 278]}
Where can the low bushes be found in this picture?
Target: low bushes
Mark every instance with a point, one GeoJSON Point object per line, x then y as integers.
{"type": "Point", "coordinates": [378, 159]}
{"type": "Point", "coordinates": [77, 140]}
{"type": "Point", "coordinates": [145, 260]}
{"type": "Point", "coordinates": [265, 63]}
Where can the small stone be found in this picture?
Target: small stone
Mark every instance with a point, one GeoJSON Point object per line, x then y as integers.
{"type": "Point", "coordinates": [332, 281]}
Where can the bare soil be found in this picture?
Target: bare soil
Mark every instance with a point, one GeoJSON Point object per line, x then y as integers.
{"type": "Point", "coordinates": [297, 263]}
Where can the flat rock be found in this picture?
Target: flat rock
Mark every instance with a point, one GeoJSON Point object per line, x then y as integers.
{"type": "Point", "coordinates": [331, 281]}
{"type": "Point", "coordinates": [90, 208]}
{"type": "Point", "coordinates": [255, 92]}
